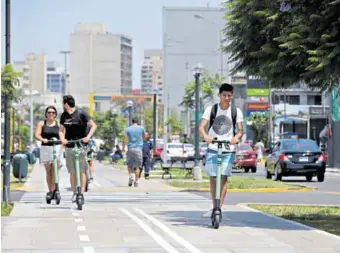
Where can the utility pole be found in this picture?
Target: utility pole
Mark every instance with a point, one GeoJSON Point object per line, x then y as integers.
{"type": "Point", "coordinates": [65, 53]}
{"type": "Point", "coordinates": [6, 172]}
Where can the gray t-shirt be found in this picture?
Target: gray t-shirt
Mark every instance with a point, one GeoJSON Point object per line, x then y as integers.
{"type": "Point", "coordinates": [135, 136]}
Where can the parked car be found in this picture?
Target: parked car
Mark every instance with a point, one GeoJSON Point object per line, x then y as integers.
{"type": "Point", "coordinates": [159, 149]}
{"type": "Point", "coordinates": [173, 150]}
{"type": "Point", "coordinates": [190, 149]}
{"type": "Point", "coordinates": [245, 158]}
{"type": "Point", "coordinates": [296, 157]}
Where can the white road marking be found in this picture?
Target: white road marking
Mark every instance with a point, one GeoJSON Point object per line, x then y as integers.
{"type": "Point", "coordinates": [81, 228]}
{"type": "Point", "coordinates": [84, 238]}
{"type": "Point", "coordinates": [78, 220]}
{"type": "Point", "coordinates": [167, 230]}
{"type": "Point", "coordinates": [95, 183]}
{"type": "Point", "coordinates": [88, 250]}
{"type": "Point", "coordinates": [152, 233]}
{"type": "Point", "coordinates": [75, 214]}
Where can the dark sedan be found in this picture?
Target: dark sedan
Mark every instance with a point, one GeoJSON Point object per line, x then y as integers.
{"type": "Point", "coordinates": [296, 157]}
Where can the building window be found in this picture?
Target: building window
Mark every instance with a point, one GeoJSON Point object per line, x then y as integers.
{"type": "Point", "coordinates": [293, 99]}
{"type": "Point", "coordinates": [314, 100]}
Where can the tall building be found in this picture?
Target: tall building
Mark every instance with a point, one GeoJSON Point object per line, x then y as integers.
{"type": "Point", "coordinates": [34, 72]}
{"type": "Point", "coordinates": [151, 72]}
{"type": "Point", "coordinates": [190, 36]}
{"type": "Point", "coordinates": [55, 77]}
{"type": "Point", "coordinates": [100, 62]}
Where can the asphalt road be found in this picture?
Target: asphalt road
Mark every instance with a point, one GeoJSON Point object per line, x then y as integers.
{"type": "Point", "coordinates": [331, 183]}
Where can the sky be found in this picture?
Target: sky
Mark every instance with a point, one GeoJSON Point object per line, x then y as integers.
{"type": "Point", "coordinates": [44, 26]}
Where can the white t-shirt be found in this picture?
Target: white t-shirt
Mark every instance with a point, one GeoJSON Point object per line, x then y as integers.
{"type": "Point", "coordinates": [222, 127]}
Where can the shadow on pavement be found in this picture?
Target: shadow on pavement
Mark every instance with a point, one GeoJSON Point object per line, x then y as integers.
{"type": "Point", "coordinates": [55, 207]}
{"type": "Point", "coordinates": [229, 219]}
{"type": "Point", "coordinates": [297, 181]}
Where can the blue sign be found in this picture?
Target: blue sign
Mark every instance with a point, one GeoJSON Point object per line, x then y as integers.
{"type": "Point", "coordinates": [125, 111]}
{"type": "Point", "coordinates": [250, 112]}
{"type": "Point", "coordinates": [102, 98]}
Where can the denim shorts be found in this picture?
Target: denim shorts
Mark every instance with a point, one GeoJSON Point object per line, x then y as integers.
{"type": "Point", "coordinates": [211, 163]}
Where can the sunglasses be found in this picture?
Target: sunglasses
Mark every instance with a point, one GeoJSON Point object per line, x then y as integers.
{"type": "Point", "coordinates": [50, 112]}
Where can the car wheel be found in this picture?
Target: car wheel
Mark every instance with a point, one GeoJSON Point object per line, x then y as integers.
{"type": "Point", "coordinates": [309, 177]}
{"type": "Point", "coordinates": [277, 175]}
{"type": "Point", "coordinates": [321, 177]}
{"type": "Point", "coordinates": [246, 170]}
{"type": "Point", "coordinates": [253, 170]}
{"type": "Point", "coordinates": [268, 175]}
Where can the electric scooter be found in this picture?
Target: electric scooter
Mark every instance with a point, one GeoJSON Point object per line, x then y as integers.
{"type": "Point", "coordinates": [80, 197]}
{"type": "Point", "coordinates": [216, 216]}
{"type": "Point", "coordinates": [56, 192]}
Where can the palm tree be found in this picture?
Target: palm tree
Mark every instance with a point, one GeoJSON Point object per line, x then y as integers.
{"type": "Point", "coordinates": [9, 84]}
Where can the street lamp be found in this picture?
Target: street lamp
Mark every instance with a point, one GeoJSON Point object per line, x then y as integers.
{"type": "Point", "coordinates": [155, 118]}
{"type": "Point", "coordinates": [114, 113]}
{"type": "Point", "coordinates": [30, 59]}
{"type": "Point", "coordinates": [197, 72]}
{"type": "Point", "coordinates": [65, 53]}
{"type": "Point", "coordinates": [129, 105]}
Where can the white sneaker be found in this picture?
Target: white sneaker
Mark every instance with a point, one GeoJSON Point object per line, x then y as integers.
{"type": "Point", "coordinates": [130, 181]}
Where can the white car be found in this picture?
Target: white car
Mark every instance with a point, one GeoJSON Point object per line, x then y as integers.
{"type": "Point", "coordinates": [173, 150]}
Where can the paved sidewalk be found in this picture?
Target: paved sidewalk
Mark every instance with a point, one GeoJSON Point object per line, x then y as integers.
{"type": "Point", "coordinates": [131, 221]}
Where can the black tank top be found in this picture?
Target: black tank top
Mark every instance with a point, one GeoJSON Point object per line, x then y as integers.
{"type": "Point", "coordinates": [48, 132]}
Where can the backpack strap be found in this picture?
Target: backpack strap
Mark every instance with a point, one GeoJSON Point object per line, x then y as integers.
{"type": "Point", "coordinates": [233, 117]}
{"type": "Point", "coordinates": [212, 115]}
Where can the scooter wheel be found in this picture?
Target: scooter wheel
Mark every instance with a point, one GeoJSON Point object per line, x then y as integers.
{"type": "Point", "coordinates": [80, 202]}
{"type": "Point", "coordinates": [216, 222]}
{"type": "Point", "coordinates": [57, 199]}
{"type": "Point", "coordinates": [48, 201]}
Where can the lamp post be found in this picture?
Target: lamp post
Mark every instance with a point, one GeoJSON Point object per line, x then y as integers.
{"type": "Point", "coordinates": [30, 59]}
{"type": "Point", "coordinates": [129, 105]}
{"type": "Point", "coordinates": [7, 169]}
{"type": "Point", "coordinates": [197, 72]}
{"type": "Point", "coordinates": [155, 118]}
{"type": "Point", "coordinates": [65, 91]}
{"type": "Point", "coordinates": [114, 113]}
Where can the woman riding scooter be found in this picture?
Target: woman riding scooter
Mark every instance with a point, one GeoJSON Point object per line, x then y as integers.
{"type": "Point", "coordinates": [47, 130]}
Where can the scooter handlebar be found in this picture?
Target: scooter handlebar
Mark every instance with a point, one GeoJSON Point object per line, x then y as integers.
{"type": "Point", "coordinates": [215, 140]}
{"type": "Point", "coordinates": [75, 141]}
{"type": "Point", "coordinates": [55, 142]}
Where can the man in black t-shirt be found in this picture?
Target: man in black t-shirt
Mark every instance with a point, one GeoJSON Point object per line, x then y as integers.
{"type": "Point", "coordinates": [73, 125]}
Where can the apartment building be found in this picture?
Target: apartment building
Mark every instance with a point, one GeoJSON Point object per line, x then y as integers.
{"type": "Point", "coordinates": [34, 72]}
{"type": "Point", "coordinates": [151, 72]}
{"type": "Point", "coordinates": [100, 62]}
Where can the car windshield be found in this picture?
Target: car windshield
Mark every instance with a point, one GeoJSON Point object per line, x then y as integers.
{"type": "Point", "coordinates": [188, 146]}
{"type": "Point", "coordinates": [174, 146]}
{"type": "Point", "coordinates": [243, 148]}
{"type": "Point", "coordinates": [300, 145]}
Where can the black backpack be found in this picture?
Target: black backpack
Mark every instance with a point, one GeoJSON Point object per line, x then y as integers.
{"type": "Point", "coordinates": [233, 116]}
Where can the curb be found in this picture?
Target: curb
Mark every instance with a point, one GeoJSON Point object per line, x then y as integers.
{"type": "Point", "coordinates": [333, 170]}
{"type": "Point", "coordinates": [245, 206]}
{"type": "Point", "coordinates": [259, 190]}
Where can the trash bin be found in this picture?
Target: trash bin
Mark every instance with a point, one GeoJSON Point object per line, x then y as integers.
{"type": "Point", "coordinates": [20, 166]}
{"type": "Point", "coordinates": [100, 155]}
{"type": "Point", "coordinates": [31, 157]}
